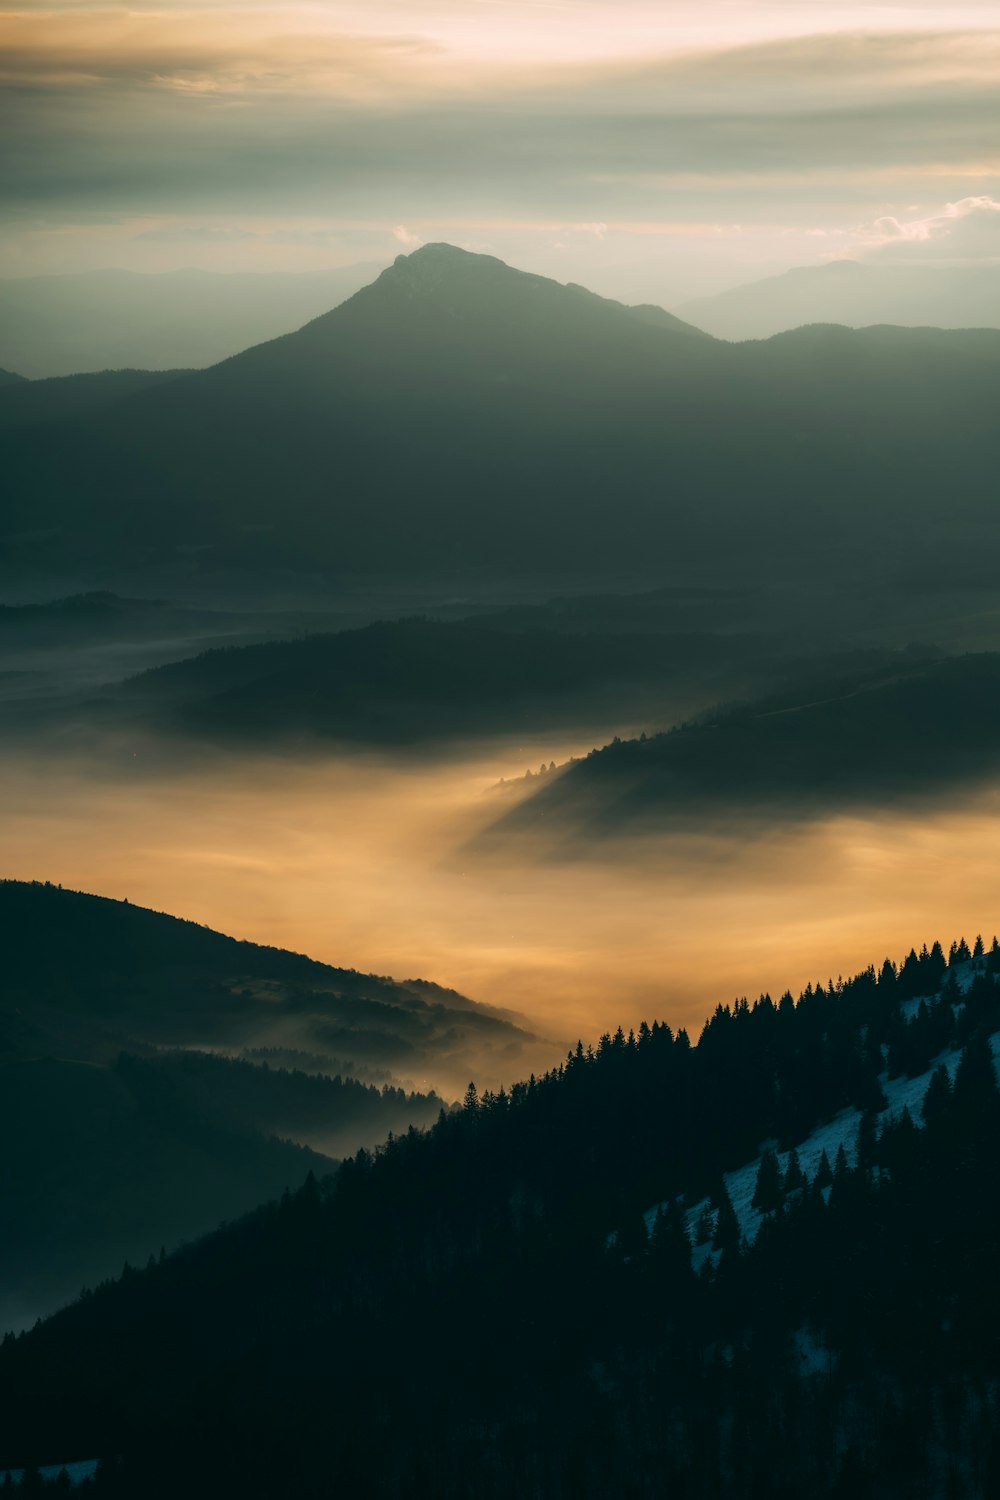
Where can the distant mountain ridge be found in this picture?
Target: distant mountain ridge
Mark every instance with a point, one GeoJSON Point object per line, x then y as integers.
{"type": "Point", "coordinates": [411, 680]}
{"type": "Point", "coordinates": [112, 319]}
{"type": "Point", "coordinates": [855, 293]}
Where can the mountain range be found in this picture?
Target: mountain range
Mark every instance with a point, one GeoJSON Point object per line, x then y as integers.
{"type": "Point", "coordinates": [855, 293]}
{"type": "Point", "coordinates": [455, 408]}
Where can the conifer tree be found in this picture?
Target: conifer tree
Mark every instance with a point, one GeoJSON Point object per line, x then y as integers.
{"type": "Point", "coordinates": [866, 1146]}
{"type": "Point", "coordinates": [824, 1172]}
{"type": "Point", "coordinates": [938, 1095]}
{"type": "Point", "coordinates": [767, 1192]}
{"type": "Point", "coordinates": [669, 1244]}
{"type": "Point", "coordinates": [976, 1079]}
{"type": "Point", "coordinates": [727, 1227]}
{"type": "Point", "coordinates": [794, 1175]}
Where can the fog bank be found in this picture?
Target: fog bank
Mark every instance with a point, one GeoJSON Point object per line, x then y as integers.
{"type": "Point", "coordinates": [364, 862]}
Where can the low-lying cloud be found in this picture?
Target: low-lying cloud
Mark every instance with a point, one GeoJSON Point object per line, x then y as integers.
{"type": "Point", "coordinates": [968, 230]}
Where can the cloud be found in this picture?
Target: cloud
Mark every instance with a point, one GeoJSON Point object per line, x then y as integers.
{"type": "Point", "coordinates": [968, 230]}
{"type": "Point", "coordinates": [192, 116]}
{"type": "Point", "coordinates": [406, 237]}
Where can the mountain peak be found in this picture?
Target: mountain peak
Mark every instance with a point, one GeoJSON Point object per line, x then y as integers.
{"type": "Point", "coordinates": [432, 264]}
{"type": "Point", "coordinates": [439, 251]}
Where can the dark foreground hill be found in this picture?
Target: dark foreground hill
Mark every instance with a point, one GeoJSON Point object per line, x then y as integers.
{"type": "Point", "coordinates": [108, 1164]}
{"type": "Point", "coordinates": [88, 974]}
{"type": "Point", "coordinates": [500, 1307]}
{"type": "Point", "coordinates": [157, 1078]}
{"type": "Point", "coordinates": [459, 417]}
{"type": "Point", "coordinates": [907, 728]}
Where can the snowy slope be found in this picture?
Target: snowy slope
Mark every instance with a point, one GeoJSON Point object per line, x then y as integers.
{"type": "Point", "coordinates": [901, 1093]}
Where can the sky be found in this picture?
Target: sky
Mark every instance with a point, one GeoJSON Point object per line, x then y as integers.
{"type": "Point", "coordinates": [653, 148]}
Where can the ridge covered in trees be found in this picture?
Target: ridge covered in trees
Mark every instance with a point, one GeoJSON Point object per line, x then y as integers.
{"type": "Point", "coordinates": [483, 1306]}
{"type": "Point", "coordinates": [899, 728]}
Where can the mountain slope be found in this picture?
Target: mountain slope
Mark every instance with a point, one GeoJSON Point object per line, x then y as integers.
{"type": "Point", "coordinates": [105, 1164]}
{"type": "Point", "coordinates": [853, 293]}
{"type": "Point", "coordinates": [459, 415]}
{"type": "Point", "coordinates": [417, 679]}
{"type": "Point", "coordinates": [903, 729]}
{"type": "Point", "coordinates": [85, 975]}
{"type": "Point", "coordinates": [120, 1138]}
{"type": "Point", "coordinates": [28, 403]}
{"type": "Point", "coordinates": [599, 1359]}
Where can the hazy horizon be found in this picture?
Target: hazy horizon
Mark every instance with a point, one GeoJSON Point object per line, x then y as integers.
{"type": "Point", "coordinates": [652, 153]}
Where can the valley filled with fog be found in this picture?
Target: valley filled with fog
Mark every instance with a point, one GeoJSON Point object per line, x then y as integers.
{"type": "Point", "coordinates": [372, 862]}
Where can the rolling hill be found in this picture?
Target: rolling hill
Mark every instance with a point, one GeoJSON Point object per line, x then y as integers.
{"type": "Point", "coordinates": [417, 680]}
{"type": "Point", "coordinates": [905, 729]}
{"type": "Point", "coordinates": [86, 975]}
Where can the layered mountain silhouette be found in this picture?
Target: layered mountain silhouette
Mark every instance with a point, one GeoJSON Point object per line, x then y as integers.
{"type": "Point", "coordinates": [458, 414]}
{"type": "Point", "coordinates": [157, 1077]}
{"type": "Point", "coordinates": [86, 973]}
{"type": "Point", "coordinates": [908, 727]}
{"type": "Point", "coordinates": [418, 679]}
{"type": "Point", "coordinates": [855, 293]}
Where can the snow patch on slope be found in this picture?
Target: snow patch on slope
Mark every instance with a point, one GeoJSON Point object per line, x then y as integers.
{"type": "Point", "coordinates": [842, 1130]}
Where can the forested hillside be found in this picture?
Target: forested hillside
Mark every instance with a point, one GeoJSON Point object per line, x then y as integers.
{"type": "Point", "coordinates": [482, 1308]}
{"type": "Point", "coordinates": [903, 729]}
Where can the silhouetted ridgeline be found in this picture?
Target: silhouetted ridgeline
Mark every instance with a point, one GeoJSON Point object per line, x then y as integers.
{"type": "Point", "coordinates": [905, 728]}
{"type": "Point", "coordinates": [455, 1313]}
{"type": "Point", "coordinates": [116, 1142]}
{"type": "Point", "coordinates": [415, 679]}
{"type": "Point", "coordinates": [26, 403]}
{"type": "Point", "coordinates": [458, 416]}
{"type": "Point", "coordinates": [856, 294]}
{"type": "Point", "coordinates": [129, 972]}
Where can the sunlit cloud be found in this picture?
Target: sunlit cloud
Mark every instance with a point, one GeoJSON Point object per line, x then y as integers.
{"type": "Point", "coordinates": [968, 230]}
{"type": "Point", "coordinates": [406, 236]}
{"type": "Point", "coordinates": [577, 128]}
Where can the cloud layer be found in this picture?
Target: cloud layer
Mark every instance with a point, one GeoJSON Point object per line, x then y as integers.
{"type": "Point", "coordinates": [399, 119]}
